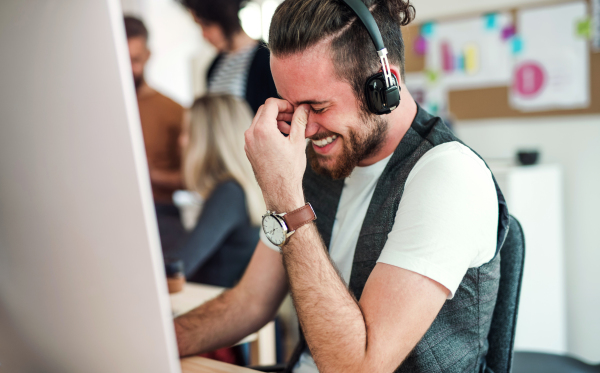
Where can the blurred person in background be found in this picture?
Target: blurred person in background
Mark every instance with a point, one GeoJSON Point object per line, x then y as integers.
{"type": "Point", "coordinates": [218, 250]}
{"type": "Point", "coordinates": [241, 67]}
{"type": "Point", "coordinates": [161, 120]}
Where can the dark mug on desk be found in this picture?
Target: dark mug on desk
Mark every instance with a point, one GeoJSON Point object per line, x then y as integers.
{"type": "Point", "coordinates": [175, 275]}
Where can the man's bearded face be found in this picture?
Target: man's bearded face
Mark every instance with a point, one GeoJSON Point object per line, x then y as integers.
{"type": "Point", "coordinates": [364, 139]}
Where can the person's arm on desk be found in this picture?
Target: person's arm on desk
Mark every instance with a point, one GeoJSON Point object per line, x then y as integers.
{"type": "Point", "coordinates": [238, 312]}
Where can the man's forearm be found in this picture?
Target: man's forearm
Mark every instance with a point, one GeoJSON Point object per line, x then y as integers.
{"type": "Point", "coordinates": [331, 319]}
{"type": "Point", "coordinates": [216, 324]}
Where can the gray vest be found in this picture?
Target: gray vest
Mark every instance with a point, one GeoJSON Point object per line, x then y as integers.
{"type": "Point", "coordinates": [457, 339]}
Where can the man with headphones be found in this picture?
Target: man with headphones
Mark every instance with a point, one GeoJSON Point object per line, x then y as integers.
{"type": "Point", "coordinates": [387, 231]}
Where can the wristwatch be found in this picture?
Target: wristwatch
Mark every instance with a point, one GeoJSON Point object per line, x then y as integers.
{"type": "Point", "coordinates": [279, 227]}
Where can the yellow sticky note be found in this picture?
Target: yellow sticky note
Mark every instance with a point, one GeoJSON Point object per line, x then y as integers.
{"type": "Point", "coordinates": [471, 59]}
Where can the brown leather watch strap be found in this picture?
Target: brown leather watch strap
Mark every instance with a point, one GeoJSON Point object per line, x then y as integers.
{"type": "Point", "coordinates": [299, 217]}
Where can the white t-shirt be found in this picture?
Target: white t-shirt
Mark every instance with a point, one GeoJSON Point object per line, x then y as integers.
{"type": "Point", "coordinates": [446, 222]}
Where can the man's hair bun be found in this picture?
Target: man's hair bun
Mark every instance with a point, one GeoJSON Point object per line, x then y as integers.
{"type": "Point", "coordinates": [402, 11]}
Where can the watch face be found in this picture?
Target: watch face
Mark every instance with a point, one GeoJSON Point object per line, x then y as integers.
{"type": "Point", "coordinates": [273, 230]}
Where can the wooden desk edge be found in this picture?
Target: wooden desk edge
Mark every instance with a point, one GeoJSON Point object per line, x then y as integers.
{"type": "Point", "coordinates": [198, 364]}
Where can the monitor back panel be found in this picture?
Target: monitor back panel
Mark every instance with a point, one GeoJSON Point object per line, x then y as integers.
{"type": "Point", "coordinates": [82, 285]}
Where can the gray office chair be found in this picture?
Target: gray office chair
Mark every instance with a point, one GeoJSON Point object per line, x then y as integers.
{"type": "Point", "coordinates": [537, 362]}
{"type": "Point", "coordinates": [501, 338]}
{"type": "Point", "coordinates": [504, 320]}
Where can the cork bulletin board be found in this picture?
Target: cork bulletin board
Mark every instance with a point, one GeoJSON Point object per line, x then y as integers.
{"type": "Point", "coordinates": [493, 102]}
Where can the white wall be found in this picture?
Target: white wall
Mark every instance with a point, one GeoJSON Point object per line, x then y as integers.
{"type": "Point", "coordinates": [574, 143]}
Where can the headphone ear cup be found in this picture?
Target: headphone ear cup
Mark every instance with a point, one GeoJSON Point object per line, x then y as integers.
{"type": "Point", "coordinates": [381, 100]}
{"type": "Point", "coordinates": [374, 93]}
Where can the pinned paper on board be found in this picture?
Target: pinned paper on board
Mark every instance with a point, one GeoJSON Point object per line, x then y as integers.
{"type": "Point", "coordinates": [471, 59]}
{"type": "Point", "coordinates": [471, 53]}
{"type": "Point", "coordinates": [584, 28]}
{"type": "Point", "coordinates": [551, 59]}
{"type": "Point", "coordinates": [420, 46]}
{"type": "Point", "coordinates": [491, 21]}
{"type": "Point", "coordinates": [516, 45]}
{"type": "Point", "coordinates": [529, 79]}
{"type": "Point", "coordinates": [427, 30]}
{"type": "Point", "coordinates": [508, 32]}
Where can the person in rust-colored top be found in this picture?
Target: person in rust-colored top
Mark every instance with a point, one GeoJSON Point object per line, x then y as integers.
{"type": "Point", "coordinates": [161, 120]}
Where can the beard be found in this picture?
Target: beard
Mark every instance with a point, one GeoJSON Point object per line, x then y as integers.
{"type": "Point", "coordinates": [358, 146]}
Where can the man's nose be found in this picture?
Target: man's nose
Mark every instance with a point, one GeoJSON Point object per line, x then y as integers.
{"type": "Point", "coordinates": [312, 127]}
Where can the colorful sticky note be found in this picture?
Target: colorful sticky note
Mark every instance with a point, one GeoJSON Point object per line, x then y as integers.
{"type": "Point", "coordinates": [508, 32]}
{"type": "Point", "coordinates": [432, 76]}
{"type": "Point", "coordinates": [460, 63]}
{"type": "Point", "coordinates": [490, 21]}
{"type": "Point", "coordinates": [420, 46]}
{"type": "Point", "coordinates": [517, 44]}
{"type": "Point", "coordinates": [584, 28]}
{"type": "Point", "coordinates": [434, 108]}
{"type": "Point", "coordinates": [427, 29]}
{"type": "Point", "coordinates": [471, 60]}
{"type": "Point", "coordinates": [447, 57]}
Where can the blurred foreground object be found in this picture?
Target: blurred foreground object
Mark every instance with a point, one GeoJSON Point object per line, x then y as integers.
{"type": "Point", "coordinates": [82, 283]}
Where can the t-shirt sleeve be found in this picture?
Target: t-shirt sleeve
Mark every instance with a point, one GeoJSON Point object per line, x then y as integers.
{"type": "Point", "coordinates": [447, 219]}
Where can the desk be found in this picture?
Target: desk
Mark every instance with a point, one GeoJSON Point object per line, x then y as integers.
{"type": "Point", "coordinates": [203, 365]}
{"type": "Point", "coordinates": [262, 343]}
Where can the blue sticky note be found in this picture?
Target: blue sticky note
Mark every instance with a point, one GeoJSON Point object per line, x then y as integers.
{"type": "Point", "coordinates": [490, 21]}
{"type": "Point", "coordinates": [460, 63]}
{"type": "Point", "coordinates": [427, 29]}
{"type": "Point", "coordinates": [517, 44]}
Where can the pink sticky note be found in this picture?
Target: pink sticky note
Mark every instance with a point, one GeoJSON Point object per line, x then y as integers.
{"type": "Point", "coordinates": [508, 32]}
{"type": "Point", "coordinates": [421, 46]}
{"type": "Point", "coordinates": [447, 57]}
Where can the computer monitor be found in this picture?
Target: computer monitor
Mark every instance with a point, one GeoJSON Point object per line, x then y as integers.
{"type": "Point", "coordinates": [82, 284]}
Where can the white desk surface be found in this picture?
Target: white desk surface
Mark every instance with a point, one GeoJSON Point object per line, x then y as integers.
{"type": "Point", "coordinates": [192, 296]}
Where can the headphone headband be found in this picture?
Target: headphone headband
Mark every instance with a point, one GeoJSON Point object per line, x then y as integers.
{"type": "Point", "coordinates": [367, 19]}
{"type": "Point", "coordinates": [363, 13]}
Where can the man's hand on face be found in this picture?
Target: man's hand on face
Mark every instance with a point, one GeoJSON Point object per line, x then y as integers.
{"type": "Point", "coordinates": [279, 162]}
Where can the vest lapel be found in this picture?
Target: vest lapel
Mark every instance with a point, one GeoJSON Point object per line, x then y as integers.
{"type": "Point", "coordinates": [381, 213]}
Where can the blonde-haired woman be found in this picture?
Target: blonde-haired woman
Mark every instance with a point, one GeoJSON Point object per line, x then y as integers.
{"type": "Point", "coordinates": [219, 248]}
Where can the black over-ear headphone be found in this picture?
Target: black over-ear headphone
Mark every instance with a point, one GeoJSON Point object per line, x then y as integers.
{"type": "Point", "coordinates": [382, 89]}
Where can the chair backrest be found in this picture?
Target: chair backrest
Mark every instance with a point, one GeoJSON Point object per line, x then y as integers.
{"type": "Point", "coordinates": [504, 320]}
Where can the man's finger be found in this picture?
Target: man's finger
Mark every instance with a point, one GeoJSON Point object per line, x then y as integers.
{"type": "Point", "coordinates": [286, 117]}
{"type": "Point", "coordinates": [273, 107]}
{"type": "Point", "coordinates": [299, 122]}
{"type": "Point", "coordinates": [256, 117]}
{"type": "Point", "coordinates": [284, 127]}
